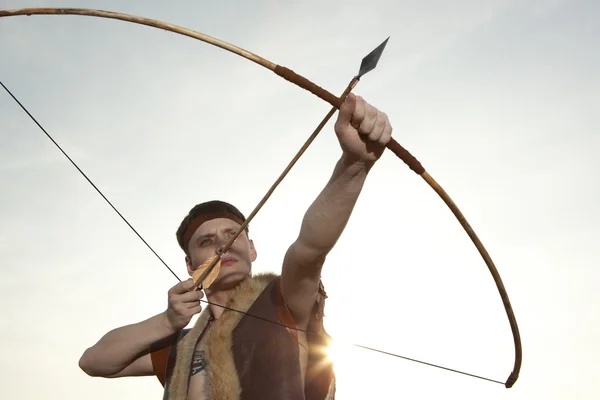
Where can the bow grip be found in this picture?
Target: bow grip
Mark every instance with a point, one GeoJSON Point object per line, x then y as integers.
{"type": "Point", "coordinates": [318, 91]}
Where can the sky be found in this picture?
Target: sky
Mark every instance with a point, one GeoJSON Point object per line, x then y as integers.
{"type": "Point", "coordinates": [497, 99]}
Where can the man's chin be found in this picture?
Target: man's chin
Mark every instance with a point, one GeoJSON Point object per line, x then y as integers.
{"type": "Point", "coordinates": [228, 281]}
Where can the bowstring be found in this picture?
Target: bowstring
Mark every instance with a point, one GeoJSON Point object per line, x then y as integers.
{"type": "Point", "coordinates": [205, 301]}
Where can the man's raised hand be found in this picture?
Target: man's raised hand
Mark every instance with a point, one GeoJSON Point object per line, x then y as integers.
{"type": "Point", "coordinates": [362, 130]}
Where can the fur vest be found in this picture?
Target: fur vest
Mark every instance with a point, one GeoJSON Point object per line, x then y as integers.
{"type": "Point", "coordinates": [249, 358]}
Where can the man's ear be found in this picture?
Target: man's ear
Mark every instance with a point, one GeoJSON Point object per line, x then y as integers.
{"type": "Point", "coordinates": [253, 253]}
{"type": "Point", "coordinates": [190, 267]}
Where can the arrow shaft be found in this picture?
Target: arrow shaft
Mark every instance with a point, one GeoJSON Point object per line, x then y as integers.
{"type": "Point", "coordinates": [287, 169]}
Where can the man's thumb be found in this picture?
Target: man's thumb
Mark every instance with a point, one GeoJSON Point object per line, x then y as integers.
{"type": "Point", "coordinates": [347, 109]}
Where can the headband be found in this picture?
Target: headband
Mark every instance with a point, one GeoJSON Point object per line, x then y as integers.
{"type": "Point", "coordinates": [202, 218]}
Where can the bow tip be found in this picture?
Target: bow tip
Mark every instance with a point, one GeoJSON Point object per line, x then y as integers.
{"type": "Point", "coordinates": [511, 379]}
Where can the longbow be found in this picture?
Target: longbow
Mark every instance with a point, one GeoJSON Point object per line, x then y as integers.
{"type": "Point", "coordinates": [336, 102]}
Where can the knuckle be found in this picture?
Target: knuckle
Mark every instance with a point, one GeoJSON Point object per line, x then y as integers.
{"type": "Point", "coordinates": [373, 112]}
{"type": "Point", "coordinates": [368, 125]}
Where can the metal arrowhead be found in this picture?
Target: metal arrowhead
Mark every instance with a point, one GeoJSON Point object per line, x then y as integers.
{"type": "Point", "coordinates": [370, 61]}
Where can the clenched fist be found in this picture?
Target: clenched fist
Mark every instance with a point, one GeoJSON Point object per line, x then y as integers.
{"type": "Point", "coordinates": [362, 130]}
{"type": "Point", "coordinates": [183, 305]}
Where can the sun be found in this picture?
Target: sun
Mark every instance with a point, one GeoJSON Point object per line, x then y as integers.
{"type": "Point", "coordinates": [344, 356]}
{"type": "Point", "coordinates": [337, 352]}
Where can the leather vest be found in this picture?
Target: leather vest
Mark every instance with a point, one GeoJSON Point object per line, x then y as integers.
{"type": "Point", "coordinates": [263, 357]}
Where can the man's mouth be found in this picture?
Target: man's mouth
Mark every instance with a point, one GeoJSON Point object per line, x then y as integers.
{"type": "Point", "coordinates": [225, 261]}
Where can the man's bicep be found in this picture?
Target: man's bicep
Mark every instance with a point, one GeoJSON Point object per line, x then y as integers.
{"type": "Point", "coordinates": [300, 277]}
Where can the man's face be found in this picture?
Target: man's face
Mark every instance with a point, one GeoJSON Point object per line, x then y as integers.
{"type": "Point", "coordinates": [209, 239]}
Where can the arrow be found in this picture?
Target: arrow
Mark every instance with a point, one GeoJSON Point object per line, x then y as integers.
{"type": "Point", "coordinates": [369, 62]}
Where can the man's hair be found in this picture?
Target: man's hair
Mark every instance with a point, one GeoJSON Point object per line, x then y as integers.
{"type": "Point", "coordinates": [203, 212]}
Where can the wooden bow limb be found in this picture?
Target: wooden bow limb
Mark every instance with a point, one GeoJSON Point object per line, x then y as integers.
{"type": "Point", "coordinates": [282, 71]}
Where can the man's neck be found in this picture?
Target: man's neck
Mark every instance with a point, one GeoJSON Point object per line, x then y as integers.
{"type": "Point", "coordinates": [221, 297]}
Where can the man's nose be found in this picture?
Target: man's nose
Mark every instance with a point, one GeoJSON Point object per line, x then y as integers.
{"type": "Point", "coordinates": [221, 242]}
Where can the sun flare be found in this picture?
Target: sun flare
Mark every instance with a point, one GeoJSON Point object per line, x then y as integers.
{"type": "Point", "coordinates": [337, 352]}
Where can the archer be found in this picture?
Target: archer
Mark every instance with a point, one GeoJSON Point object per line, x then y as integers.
{"type": "Point", "coordinates": [226, 354]}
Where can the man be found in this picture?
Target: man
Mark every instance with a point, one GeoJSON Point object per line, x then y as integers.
{"type": "Point", "coordinates": [231, 355]}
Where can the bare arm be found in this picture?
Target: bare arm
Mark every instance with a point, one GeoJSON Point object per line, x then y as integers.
{"type": "Point", "coordinates": [363, 132]}
{"type": "Point", "coordinates": [322, 226]}
{"type": "Point", "coordinates": [125, 351]}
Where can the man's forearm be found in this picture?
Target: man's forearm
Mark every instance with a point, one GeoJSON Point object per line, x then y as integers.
{"type": "Point", "coordinates": [326, 218]}
{"type": "Point", "coordinates": [120, 347]}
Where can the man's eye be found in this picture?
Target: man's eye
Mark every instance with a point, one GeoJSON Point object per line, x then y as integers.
{"type": "Point", "coordinates": [204, 242]}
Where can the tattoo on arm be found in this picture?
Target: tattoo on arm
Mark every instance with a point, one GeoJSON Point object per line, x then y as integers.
{"type": "Point", "coordinates": [198, 362]}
